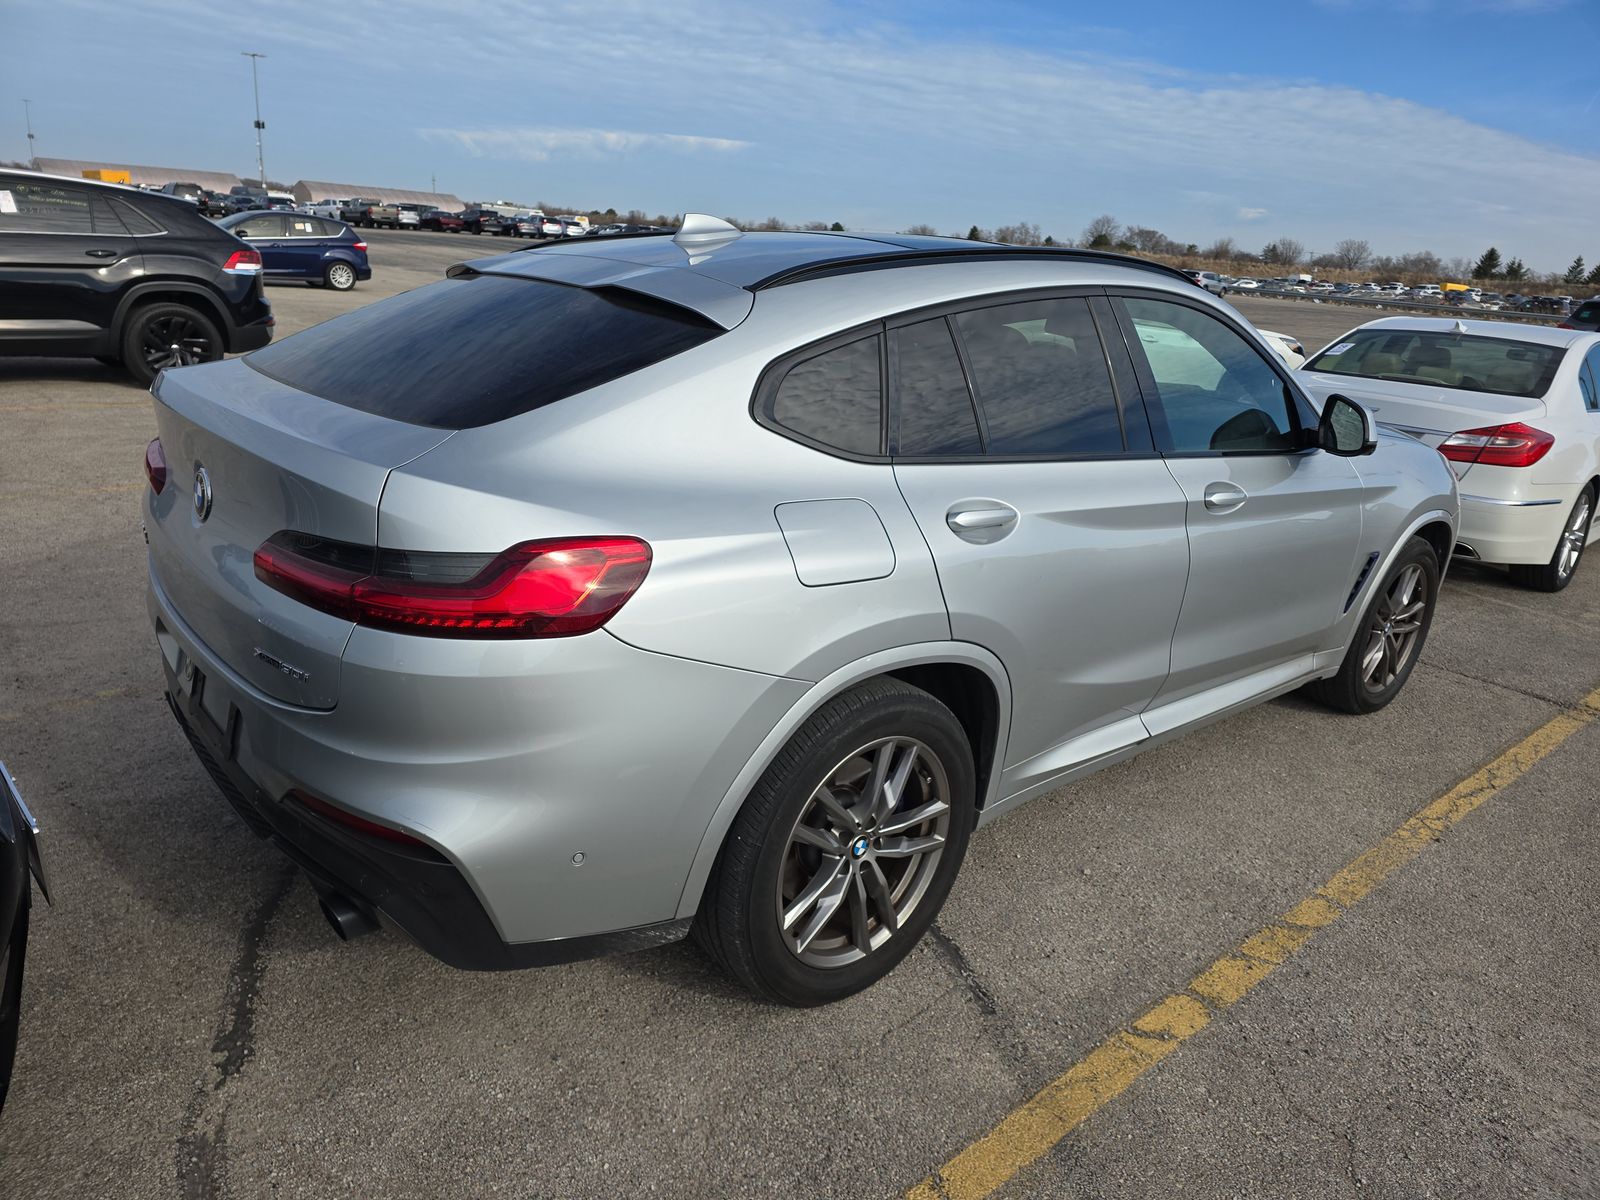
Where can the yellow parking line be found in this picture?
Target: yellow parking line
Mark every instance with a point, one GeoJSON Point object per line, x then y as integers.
{"type": "Point", "coordinates": [1064, 1103]}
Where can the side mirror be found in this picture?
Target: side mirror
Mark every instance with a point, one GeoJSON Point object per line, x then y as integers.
{"type": "Point", "coordinates": [1346, 429]}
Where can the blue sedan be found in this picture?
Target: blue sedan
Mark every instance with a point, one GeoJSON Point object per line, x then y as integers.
{"type": "Point", "coordinates": [299, 246]}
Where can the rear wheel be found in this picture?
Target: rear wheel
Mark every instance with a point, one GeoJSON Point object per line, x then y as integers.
{"type": "Point", "coordinates": [340, 276]}
{"type": "Point", "coordinates": [845, 851]}
{"type": "Point", "coordinates": [1563, 565]}
{"type": "Point", "coordinates": [1387, 643]}
{"type": "Point", "coordinates": [167, 335]}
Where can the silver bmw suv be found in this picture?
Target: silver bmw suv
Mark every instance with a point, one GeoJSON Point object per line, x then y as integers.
{"type": "Point", "coordinates": [723, 583]}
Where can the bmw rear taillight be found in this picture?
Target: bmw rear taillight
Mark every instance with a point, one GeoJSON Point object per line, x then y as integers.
{"type": "Point", "coordinates": [1566, 325]}
{"type": "Point", "coordinates": [557, 587]}
{"type": "Point", "coordinates": [1513, 445]}
{"type": "Point", "coordinates": [243, 262]}
{"type": "Point", "coordinates": [155, 465]}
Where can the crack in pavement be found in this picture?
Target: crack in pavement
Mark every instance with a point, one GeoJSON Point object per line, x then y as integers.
{"type": "Point", "coordinates": [201, 1150]}
{"type": "Point", "coordinates": [957, 958]}
{"type": "Point", "coordinates": [1494, 683]}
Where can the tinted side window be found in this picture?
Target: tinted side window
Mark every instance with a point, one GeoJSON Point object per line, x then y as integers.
{"type": "Point", "coordinates": [29, 207]}
{"type": "Point", "coordinates": [1590, 379]}
{"type": "Point", "coordinates": [835, 397]}
{"type": "Point", "coordinates": [1041, 378]}
{"type": "Point", "coordinates": [449, 354]}
{"type": "Point", "coordinates": [1216, 391]}
{"type": "Point", "coordinates": [303, 227]}
{"type": "Point", "coordinates": [933, 408]}
{"type": "Point", "coordinates": [136, 221]}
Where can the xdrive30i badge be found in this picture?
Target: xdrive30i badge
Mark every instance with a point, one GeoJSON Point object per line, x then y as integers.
{"type": "Point", "coordinates": [278, 664]}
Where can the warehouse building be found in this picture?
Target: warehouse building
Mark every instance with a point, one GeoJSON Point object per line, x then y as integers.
{"type": "Point", "coordinates": [309, 191]}
{"type": "Point", "coordinates": [216, 181]}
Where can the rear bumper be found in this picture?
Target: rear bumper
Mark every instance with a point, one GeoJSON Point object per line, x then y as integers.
{"type": "Point", "coordinates": [1522, 531]}
{"type": "Point", "coordinates": [243, 338]}
{"type": "Point", "coordinates": [565, 785]}
{"type": "Point", "coordinates": [422, 894]}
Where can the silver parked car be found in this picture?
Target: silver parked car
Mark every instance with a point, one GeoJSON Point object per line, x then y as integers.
{"type": "Point", "coordinates": [739, 596]}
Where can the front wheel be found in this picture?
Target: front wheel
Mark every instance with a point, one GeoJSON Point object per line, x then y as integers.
{"type": "Point", "coordinates": [1388, 641]}
{"type": "Point", "coordinates": [1563, 565]}
{"type": "Point", "coordinates": [340, 276]}
{"type": "Point", "coordinates": [167, 335]}
{"type": "Point", "coordinates": [846, 849]}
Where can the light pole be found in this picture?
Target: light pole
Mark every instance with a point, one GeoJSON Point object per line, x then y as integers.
{"type": "Point", "coordinates": [27, 114]}
{"type": "Point", "coordinates": [255, 84]}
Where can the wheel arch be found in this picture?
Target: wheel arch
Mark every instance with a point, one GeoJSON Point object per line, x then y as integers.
{"type": "Point", "coordinates": [166, 291]}
{"type": "Point", "coordinates": [967, 678]}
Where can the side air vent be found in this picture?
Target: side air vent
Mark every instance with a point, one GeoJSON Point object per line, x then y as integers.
{"type": "Point", "coordinates": [1361, 579]}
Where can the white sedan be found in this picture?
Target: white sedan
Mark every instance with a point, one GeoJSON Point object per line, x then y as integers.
{"type": "Point", "coordinates": [1514, 408]}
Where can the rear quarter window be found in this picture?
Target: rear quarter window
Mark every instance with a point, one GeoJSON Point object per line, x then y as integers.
{"type": "Point", "coordinates": [472, 351]}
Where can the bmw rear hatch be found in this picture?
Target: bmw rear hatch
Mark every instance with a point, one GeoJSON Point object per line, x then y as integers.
{"type": "Point", "coordinates": [248, 457]}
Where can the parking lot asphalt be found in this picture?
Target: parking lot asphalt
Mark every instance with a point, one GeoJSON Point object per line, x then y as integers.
{"type": "Point", "coordinates": [191, 1027]}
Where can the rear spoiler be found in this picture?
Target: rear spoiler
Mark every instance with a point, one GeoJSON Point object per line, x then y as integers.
{"type": "Point", "coordinates": [720, 303]}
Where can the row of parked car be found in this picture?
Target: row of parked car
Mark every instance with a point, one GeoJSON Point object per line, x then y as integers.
{"type": "Point", "coordinates": [1425, 293]}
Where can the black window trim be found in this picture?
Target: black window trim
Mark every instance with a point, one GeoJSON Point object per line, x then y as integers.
{"type": "Point", "coordinates": [1128, 415]}
{"type": "Point", "coordinates": [949, 309]}
{"type": "Point", "coordinates": [773, 374]}
{"type": "Point", "coordinates": [87, 191]}
{"type": "Point", "coordinates": [892, 390]}
{"type": "Point", "coordinates": [1307, 434]}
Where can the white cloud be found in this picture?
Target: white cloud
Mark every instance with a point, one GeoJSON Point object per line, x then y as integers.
{"type": "Point", "coordinates": [539, 145]}
{"type": "Point", "coordinates": [1251, 214]}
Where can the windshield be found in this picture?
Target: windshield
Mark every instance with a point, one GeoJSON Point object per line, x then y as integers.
{"type": "Point", "coordinates": [1452, 360]}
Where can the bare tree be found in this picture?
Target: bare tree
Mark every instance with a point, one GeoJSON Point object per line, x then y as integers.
{"type": "Point", "coordinates": [921, 231]}
{"type": "Point", "coordinates": [815, 226]}
{"type": "Point", "coordinates": [1021, 234]}
{"type": "Point", "coordinates": [1222, 248]}
{"type": "Point", "coordinates": [1146, 240]}
{"type": "Point", "coordinates": [1285, 252]}
{"type": "Point", "coordinates": [1102, 231]}
{"type": "Point", "coordinates": [1352, 254]}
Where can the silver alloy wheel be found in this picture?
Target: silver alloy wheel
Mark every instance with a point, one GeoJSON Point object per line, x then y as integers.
{"type": "Point", "coordinates": [342, 276]}
{"type": "Point", "coordinates": [1396, 625]}
{"type": "Point", "coordinates": [1574, 536]}
{"type": "Point", "coordinates": [863, 852]}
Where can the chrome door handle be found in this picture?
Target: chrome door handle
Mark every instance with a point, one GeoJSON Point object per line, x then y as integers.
{"type": "Point", "coordinates": [101, 253]}
{"type": "Point", "coordinates": [978, 519]}
{"type": "Point", "coordinates": [1224, 497]}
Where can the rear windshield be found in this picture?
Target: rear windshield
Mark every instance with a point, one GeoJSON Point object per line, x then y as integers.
{"type": "Point", "coordinates": [479, 349]}
{"type": "Point", "coordinates": [1451, 360]}
{"type": "Point", "coordinates": [1587, 312]}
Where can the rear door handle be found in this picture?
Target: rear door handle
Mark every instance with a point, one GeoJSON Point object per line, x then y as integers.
{"type": "Point", "coordinates": [981, 522]}
{"type": "Point", "coordinates": [101, 253]}
{"type": "Point", "coordinates": [1224, 497]}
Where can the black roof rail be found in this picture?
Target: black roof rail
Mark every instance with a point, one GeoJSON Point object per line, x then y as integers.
{"type": "Point", "coordinates": [980, 252]}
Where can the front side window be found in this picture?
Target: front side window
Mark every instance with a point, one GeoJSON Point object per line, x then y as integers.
{"type": "Point", "coordinates": [933, 408]}
{"type": "Point", "coordinates": [1217, 392]}
{"type": "Point", "coordinates": [1041, 379]}
{"type": "Point", "coordinates": [34, 207]}
{"type": "Point", "coordinates": [1466, 362]}
{"type": "Point", "coordinates": [835, 398]}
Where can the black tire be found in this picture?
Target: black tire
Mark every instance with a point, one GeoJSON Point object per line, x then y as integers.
{"type": "Point", "coordinates": [1558, 572]}
{"type": "Point", "coordinates": [739, 919]}
{"type": "Point", "coordinates": [339, 276]}
{"type": "Point", "coordinates": [1351, 690]}
{"type": "Point", "coordinates": [148, 329]}
{"type": "Point", "coordinates": [11, 991]}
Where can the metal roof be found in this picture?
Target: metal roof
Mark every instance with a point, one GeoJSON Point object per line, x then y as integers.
{"type": "Point", "coordinates": [217, 181]}
{"type": "Point", "coordinates": [309, 191]}
{"type": "Point", "coordinates": [718, 274]}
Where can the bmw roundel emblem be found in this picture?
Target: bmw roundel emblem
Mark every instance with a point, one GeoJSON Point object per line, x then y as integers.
{"type": "Point", "coordinates": [202, 493]}
{"type": "Point", "coordinates": [859, 846]}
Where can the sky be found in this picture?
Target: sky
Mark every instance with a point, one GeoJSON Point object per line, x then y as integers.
{"type": "Point", "coordinates": [1447, 125]}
